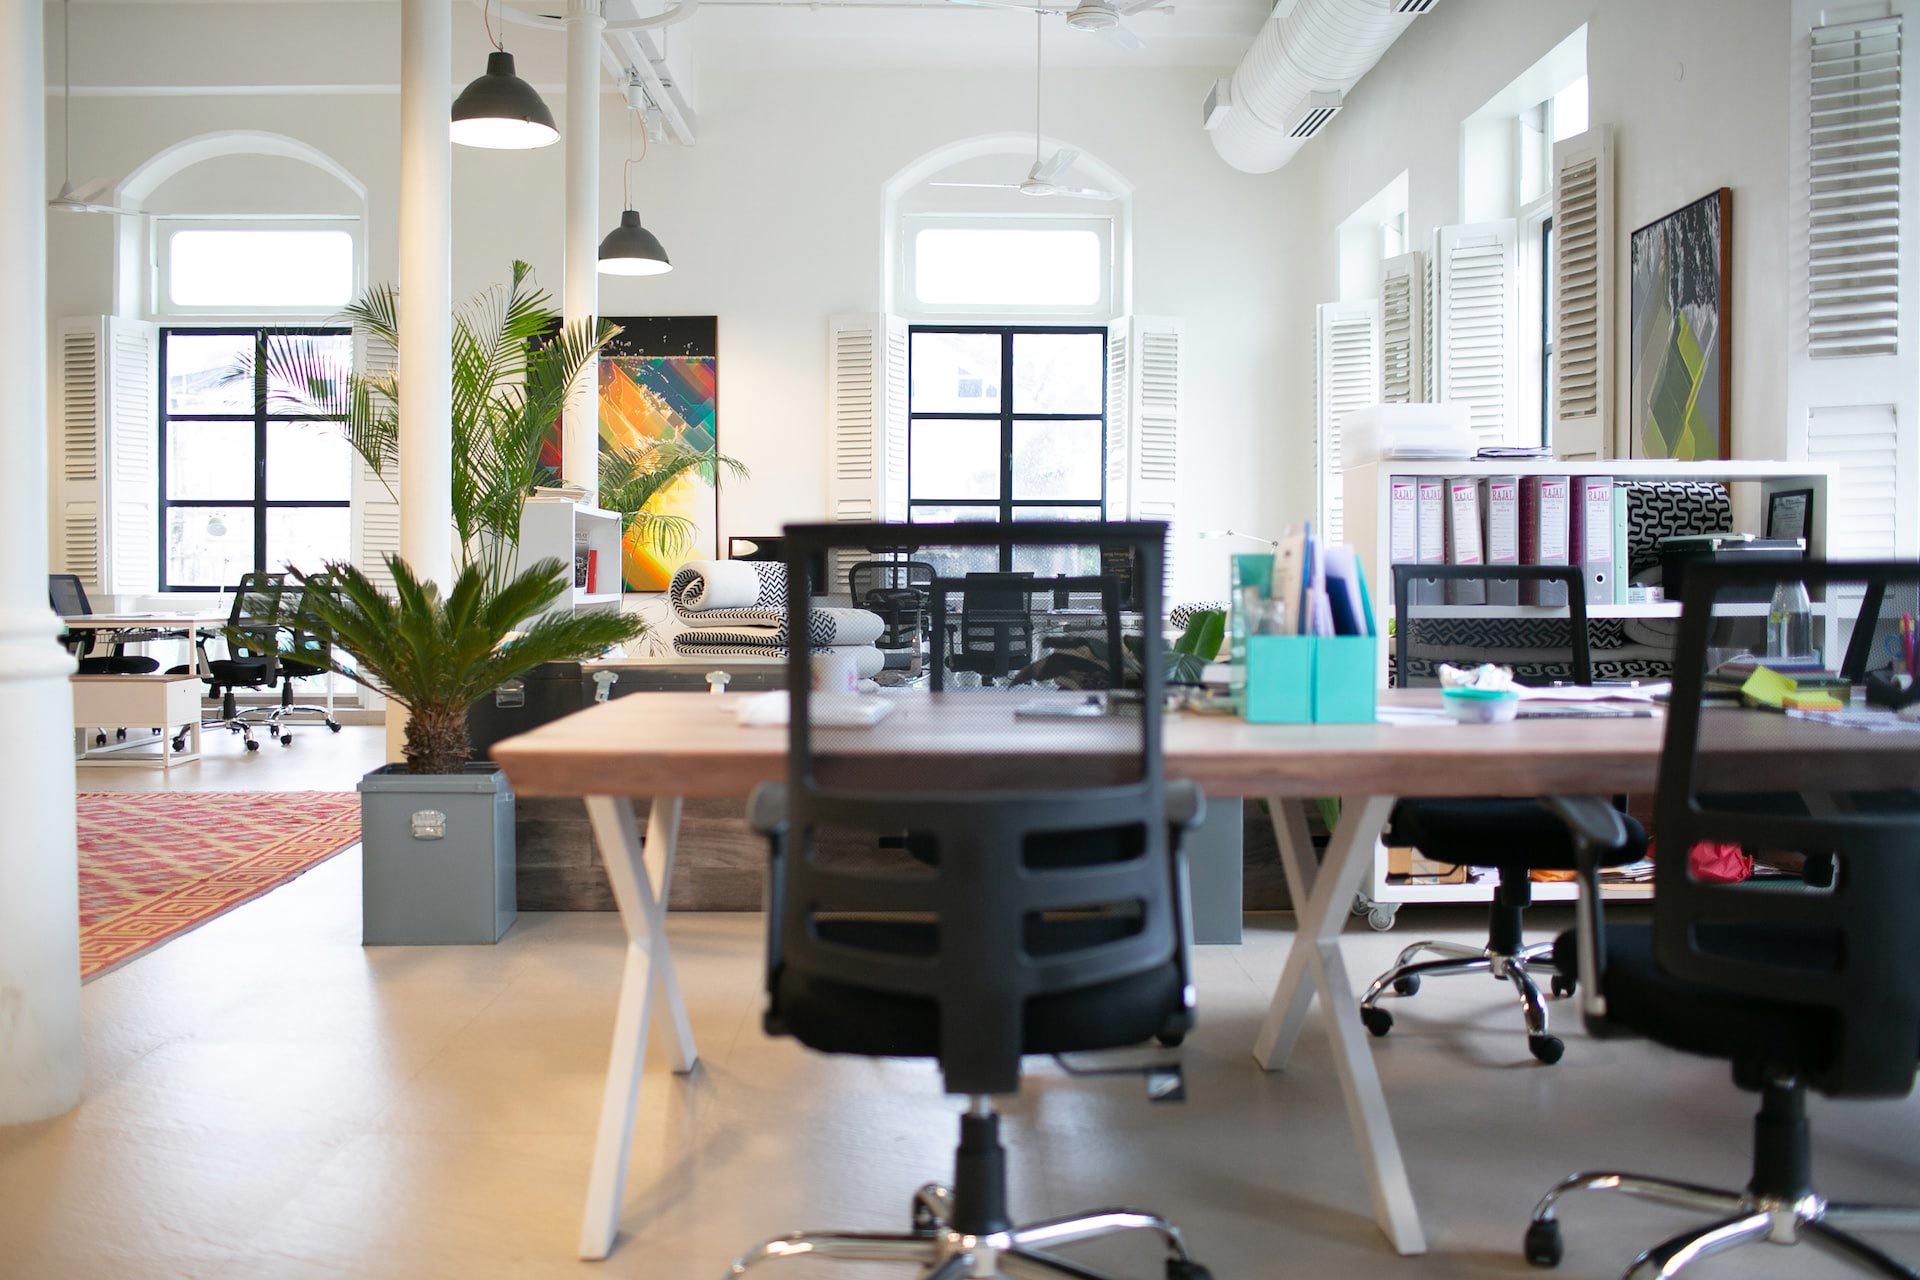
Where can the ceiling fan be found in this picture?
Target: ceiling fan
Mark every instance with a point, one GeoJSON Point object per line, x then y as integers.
{"type": "Point", "coordinates": [1100, 16]}
{"type": "Point", "coordinates": [1043, 178]}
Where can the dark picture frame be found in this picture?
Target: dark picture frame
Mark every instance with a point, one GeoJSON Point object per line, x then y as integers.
{"type": "Point", "coordinates": [1790, 504]}
{"type": "Point", "coordinates": [1680, 396]}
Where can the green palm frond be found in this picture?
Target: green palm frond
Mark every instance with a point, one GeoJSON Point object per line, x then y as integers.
{"type": "Point", "coordinates": [632, 477]}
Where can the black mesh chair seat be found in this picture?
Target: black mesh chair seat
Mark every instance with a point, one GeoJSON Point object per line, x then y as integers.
{"type": "Point", "coordinates": [68, 597]}
{"type": "Point", "coordinates": [1647, 1000]}
{"type": "Point", "coordinates": [832, 1017]}
{"type": "Point", "coordinates": [1476, 833]}
{"type": "Point", "coordinates": [118, 665]}
{"type": "Point", "coordinates": [245, 672]}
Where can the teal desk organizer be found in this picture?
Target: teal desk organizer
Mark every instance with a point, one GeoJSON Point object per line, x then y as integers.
{"type": "Point", "coordinates": [1311, 679]}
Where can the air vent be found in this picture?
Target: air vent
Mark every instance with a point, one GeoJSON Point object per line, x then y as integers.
{"type": "Point", "coordinates": [1314, 114]}
{"type": "Point", "coordinates": [1853, 216]}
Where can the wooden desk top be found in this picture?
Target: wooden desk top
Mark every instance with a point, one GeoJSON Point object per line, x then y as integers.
{"type": "Point", "coordinates": [691, 744]}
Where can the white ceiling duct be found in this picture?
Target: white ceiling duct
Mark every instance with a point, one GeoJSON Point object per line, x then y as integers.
{"type": "Point", "coordinates": [1306, 48]}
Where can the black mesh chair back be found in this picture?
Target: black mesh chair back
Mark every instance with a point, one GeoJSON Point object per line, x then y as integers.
{"type": "Point", "coordinates": [68, 599]}
{"type": "Point", "coordinates": [985, 872]}
{"type": "Point", "coordinates": [253, 630]}
{"type": "Point", "coordinates": [898, 591]}
{"type": "Point", "coordinates": [994, 637]}
{"type": "Point", "coordinates": [1540, 650]}
{"type": "Point", "coordinates": [1844, 952]}
{"type": "Point", "coordinates": [307, 646]}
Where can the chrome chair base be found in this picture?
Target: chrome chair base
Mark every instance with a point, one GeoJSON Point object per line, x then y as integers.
{"type": "Point", "coordinates": [942, 1253]}
{"type": "Point", "coordinates": [1515, 967]}
{"type": "Point", "coordinates": [1740, 1218]}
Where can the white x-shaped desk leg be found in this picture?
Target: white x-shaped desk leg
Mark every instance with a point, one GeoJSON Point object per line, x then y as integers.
{"type": "Point", "coordinates": [1315, 963]}
{"type": "Point", "coordinates": [641, 893]}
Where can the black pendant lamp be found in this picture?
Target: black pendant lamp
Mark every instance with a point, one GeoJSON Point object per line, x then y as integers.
{"type": "Point", "coordinates": [500, 111]}
{"type": "Point", "coordinates": [630, 249]}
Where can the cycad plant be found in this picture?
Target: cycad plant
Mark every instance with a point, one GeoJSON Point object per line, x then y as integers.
{"type": "Point", "coordinates": [436, 655]}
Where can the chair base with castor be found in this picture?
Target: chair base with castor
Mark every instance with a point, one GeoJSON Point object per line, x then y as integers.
{"type": "Point", "coordinates": [1505, 958]}
{"type": "Point", "coordinates": [961, 1232]}
{"type": "Point", "coordinates": [1779, 1205]}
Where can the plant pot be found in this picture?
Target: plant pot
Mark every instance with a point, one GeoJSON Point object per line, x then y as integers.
{"type": "Point", "coordinates": [438, 856]}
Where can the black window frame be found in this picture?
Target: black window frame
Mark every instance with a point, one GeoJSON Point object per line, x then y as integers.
{"type": "Point", "coordinates": [260, 417]}
{"type": "Point", "coordinates": [1005, 505]}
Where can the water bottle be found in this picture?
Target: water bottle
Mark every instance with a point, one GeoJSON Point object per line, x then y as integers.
{"type": "Point", "coordinates": [1790, 622]}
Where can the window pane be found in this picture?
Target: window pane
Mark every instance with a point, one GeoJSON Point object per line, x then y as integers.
{"type": "Point", "coordinates": [1570, 110]}
{"type": "Point", "coordinates": [308, 461]}
{"type": "Point", "coordinates": [263, 269]}
{"type": "Point", "coordinates": [1047, 562]}
{"type": "Point", "coordinates": [328, 355]}
{"type": "Point", "coordinates": [1011, 266]}
{"type": "Point", "coordinates": [1059, 372]}
{"type": "Point", "coordinates": [201, 369]}
{"type": "Point", "coordinates": [954, 459]}
{"type": "Point", "coordinates": [209, 546]}
{"type": "Point", "coordinates": [956, 373]}
{"type": "Point", "coordinates": [1056, 459]}
{"type": "Point", "coordinates": [210, 460]}
{"type": "Point", "coordinates": [306, 537]}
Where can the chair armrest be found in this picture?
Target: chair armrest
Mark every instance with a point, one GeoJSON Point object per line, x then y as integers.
{"type": "Point", "coordinates": [1186, 806]}
{"type": "Point", "coordinates": [1596, 828]}
{"type": "Point", "coordinates": [767, 808]}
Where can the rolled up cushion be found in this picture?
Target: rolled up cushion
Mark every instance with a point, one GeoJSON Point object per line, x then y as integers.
{"type": "Point", "coordinates": [709, 586]}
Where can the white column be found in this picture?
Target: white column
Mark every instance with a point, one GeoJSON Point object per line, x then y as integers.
{"type": "Point", "coordinates": [39, 876]}
{"type": "Point", "coordinates": [580, 430]}
{"type": "Point", "coordinates": [426, 288]}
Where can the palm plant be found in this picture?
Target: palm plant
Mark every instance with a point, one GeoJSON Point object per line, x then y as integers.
{"type": "Point", "coordinates": [513, 369]}
{"type": "Point", "coordinates": [631, 477]}
{"type": "Point", "coordinates": [437, 655]}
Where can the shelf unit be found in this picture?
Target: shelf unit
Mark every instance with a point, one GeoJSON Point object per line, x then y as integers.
{"type": "Point", "coordinates": [553, 525]}
{"type": "Point", "coordinates": [1365, 518]}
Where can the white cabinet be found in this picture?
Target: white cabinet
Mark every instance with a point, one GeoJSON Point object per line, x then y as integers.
{"type": "Point", "coordinates": [556, 525]}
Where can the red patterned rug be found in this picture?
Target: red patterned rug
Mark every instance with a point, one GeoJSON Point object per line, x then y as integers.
{"type": "Point", "coordinates": [153, 866]}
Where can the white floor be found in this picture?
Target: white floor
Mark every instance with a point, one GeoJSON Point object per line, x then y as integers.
{"type": "Point", "coordinates": [267, 1098]}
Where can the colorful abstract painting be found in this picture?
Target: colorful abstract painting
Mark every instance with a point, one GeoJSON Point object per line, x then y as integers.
{"type": "Point", "coordinates": [1681, 347]}
{"type": "Point", "coordinates": [658, 381]}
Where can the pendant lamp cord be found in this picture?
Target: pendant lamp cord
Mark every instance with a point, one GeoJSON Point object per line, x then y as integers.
{"type": "Point", "coordinates": [626, 170]}
{"type": "Point", "coordinates": [486, 16]}
{"type": "Point", "coordinates": [1038, 29]}
{"type": "Point", "coordinates": [66, 93]}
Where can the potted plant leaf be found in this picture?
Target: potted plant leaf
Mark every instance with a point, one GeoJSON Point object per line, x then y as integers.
{"type": "Point", "coordinates": [437, 831]}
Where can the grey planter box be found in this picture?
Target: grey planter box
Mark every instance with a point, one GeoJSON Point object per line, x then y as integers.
{"type": "Point", "coordinates": [438, 856]}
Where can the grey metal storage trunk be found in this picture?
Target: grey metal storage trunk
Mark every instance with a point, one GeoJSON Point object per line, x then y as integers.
{"type": "Point", "coordinates": [438, 856]}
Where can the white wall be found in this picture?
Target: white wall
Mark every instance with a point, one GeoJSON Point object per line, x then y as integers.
{"type": "Point", "coordinates": [1697, 92]}
{"type": "Point", "coordinates": [774, 223]}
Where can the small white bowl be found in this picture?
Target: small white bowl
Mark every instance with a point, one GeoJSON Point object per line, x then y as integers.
{"type": "Point", "coordinates": [1475, 706]}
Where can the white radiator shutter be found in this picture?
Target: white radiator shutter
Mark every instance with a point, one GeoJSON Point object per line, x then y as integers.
{"type": "Point", "coordinates": [106, 525]}
{"type": "Point", "coordinates": [1119, 416]}
{"type": "Point", "coordinates": [1853, 210]}
{"type": "Point", "coordinates": [1347, 358]}
{"type": "Point", "coordinates": [1862, 444]}
{"type": "Point", "coordinates": [376, 508]}
{"type": "Point", "coordinates": [1478, 329]}
{"type": "Point", "coordinates": [1403, 329]}
{"type": "Point", "coordinates": [1582, 301]}
{"type": "Point", "coordinates": [894, 491]}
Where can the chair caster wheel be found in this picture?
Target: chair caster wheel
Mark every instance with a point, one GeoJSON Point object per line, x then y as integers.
{"type": "Point", "coordinates": [1546, 1048]}
{"type": "Point", "coordinates": [1376, 1019]}
{"type": "Point", "coordinates": [1170, 1039]}
{"type": "Point", "coordinates": [179, 745]}
{"type": "Point", "coordinates": [1564, 987]}
{"type": "Point", "coordinates": [1543, 1247]}
{"type": "Point", "coordinates": [1361, 904]}
{"type": "Point", "coordinates": [99, 739]}
{"type": "Point", "coordinates": [1186, 1269]}
{"type": "Point", "coordinates": [333, 726]}
{"type": "Point", "coordinates": [1381, 917]}
{"type": "Point", "coordinates": [119, 735]}
{"type": "Point", "coordinates": [287, 741]}
{"type": "Point", "coordinates": [252, 745]}
{"type": "Point", "coordinates": [1407, 986]}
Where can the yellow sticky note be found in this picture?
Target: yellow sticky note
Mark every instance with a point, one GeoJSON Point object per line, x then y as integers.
{"type": "Point", "coordinates": [1767, 687]}
{"type": "Point", "coordinates": [1812, 702]}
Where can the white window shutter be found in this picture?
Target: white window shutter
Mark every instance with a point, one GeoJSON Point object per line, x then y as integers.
{"type": "Point", "coordinates": [1582, 301]}
{"type": "Point", "coordinates": [1149, 364]}
{"type": "Point", "coordinates": [1862, 443]}
{"type": "Point", "coordinates": [1119, 416]}
{"type": "Point", "coordinates": [1478, 327]}
{"type": "Point", "coordinates": [106, 526]}
{"type": "Point", "coordinates": [1403, 329]}
{"type": "Point", "coordinates": [866, 422]}
{"type": "Point", "coordinates": [1347, 358]}
{"type": "Point", "coordinates": [1853, 212]}
{"type": "Point", "coordinates": [894, 490]}
{"type": "Point", "coordinates": [376, 506]}
{"type": "Point", "coordinates": [1430, 331]}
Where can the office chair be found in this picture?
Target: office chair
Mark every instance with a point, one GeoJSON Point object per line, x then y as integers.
{"type": "Point", "coordinates": [995, 638]}
{"type": "Point", "coordinates": [1796, 987]}
{"type": "Point", "coordinates": [898, 591]}
{"type": "Point", "coordinates": [69, 600]}
{"type": "Point", "coordinates": [252, 660]}
{"type": "Point", "coordinates": [1507, 834]}
{"type": "Point", "coordinates": [306, 651]}
{"type": "Point", "coordinates": [1040, 908]}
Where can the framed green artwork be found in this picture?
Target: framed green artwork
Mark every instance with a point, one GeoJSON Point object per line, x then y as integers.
{"type": "Point", "coordinates": [1682, 392]}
